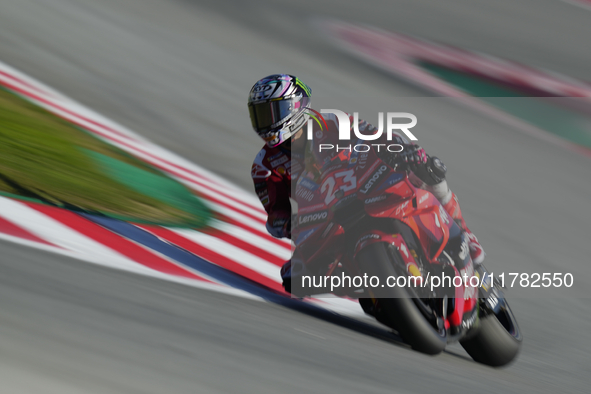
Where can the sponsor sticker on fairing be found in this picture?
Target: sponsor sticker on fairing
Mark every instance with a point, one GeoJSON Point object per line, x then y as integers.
{"type": "Point", "coordinates": [310, 208]}
{"type": "Point", "coordinates": [365, 238]}
{"type": "Point", "coordinates": [313, 218]}
{"type": "Point", "coordinates": [275, 156]}
{"type": "Point", "coordinates": [422, 199]}
{"type": "Point", "coordinates": [469, 322]}
{"type": "Point", "coordinates": [304, 193]}
{"type": "Point", "coordinates": [375, 199]}
{"type": "Point", "coordinates": [304, 235]}
{"type": "Point", "coordinates": [308, 184]}
{"type": "Point", "coordinates": [443, 214]}
{"type": "Point", "coordinates": [344, 201]}
{"type": "Point", "coordinates": [392, 179]}
{"type": "Point", "coordinates": [278, 162]}
{"type": "Point", "coordinates": [374, 179]}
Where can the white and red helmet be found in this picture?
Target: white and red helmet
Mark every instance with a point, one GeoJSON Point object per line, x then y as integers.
{"type": "Point", "coordinates": [278, 107]}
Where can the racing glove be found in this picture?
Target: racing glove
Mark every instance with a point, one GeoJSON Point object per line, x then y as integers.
{"type": "Point", "coordinates": [411, 155]}
{"type": "Point", "coordinates": [430, 170]}
{"type": "Point", "coordinates": [279, 228]}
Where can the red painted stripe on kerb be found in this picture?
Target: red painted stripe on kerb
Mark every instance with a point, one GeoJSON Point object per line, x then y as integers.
{"type": "Point", "coordinates": [119, 244]}
{"type": "Point", "coordinates": [212, 256]}
{"type": "Point", "coordinates": [250, 248]}
{"type": "Point", "coordinates": [7, 227]}
{"type": "Point", "coordinates": [23, 82]}
{"type": "Point", "coordinates": [263, 234]}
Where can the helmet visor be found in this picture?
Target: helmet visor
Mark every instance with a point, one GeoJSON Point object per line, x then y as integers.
{"type": "Point", "coordinates": [267, 115]}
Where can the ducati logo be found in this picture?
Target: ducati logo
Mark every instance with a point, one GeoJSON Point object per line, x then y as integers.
{"type": "Point", "coordinates": [258, 171]}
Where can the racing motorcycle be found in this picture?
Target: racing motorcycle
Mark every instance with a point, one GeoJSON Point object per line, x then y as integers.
{"type": "Point", "coordinates": [361, 217]}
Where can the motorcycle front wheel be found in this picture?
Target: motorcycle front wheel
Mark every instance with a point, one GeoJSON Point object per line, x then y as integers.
{"type": "Point", "coordinates": [497, 339]}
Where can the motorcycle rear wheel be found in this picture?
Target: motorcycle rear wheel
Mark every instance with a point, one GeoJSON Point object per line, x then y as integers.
{"type": "Point", "coordinates": [396, 307]}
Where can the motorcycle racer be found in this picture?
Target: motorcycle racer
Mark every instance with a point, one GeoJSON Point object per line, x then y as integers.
{"type": "Point", "coordinates": [278, 107]}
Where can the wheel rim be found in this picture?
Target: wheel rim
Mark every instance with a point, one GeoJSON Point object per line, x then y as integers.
{"type": "Point", "coordinates": [507, 319]}
{"type": "Point", "coordinates": [428, 313]}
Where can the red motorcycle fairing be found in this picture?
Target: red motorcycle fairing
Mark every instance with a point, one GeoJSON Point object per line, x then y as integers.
{"type": "Point", "coordinates": [464, 295]}
{"type": "Point", "coordinates": [353, 204]}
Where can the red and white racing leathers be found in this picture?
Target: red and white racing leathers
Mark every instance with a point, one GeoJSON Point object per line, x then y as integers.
{"type": "Point", "coordinates": [274, 169]}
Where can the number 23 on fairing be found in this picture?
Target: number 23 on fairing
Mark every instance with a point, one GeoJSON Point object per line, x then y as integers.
{"type": "Point", "coordinates": [346, 180]}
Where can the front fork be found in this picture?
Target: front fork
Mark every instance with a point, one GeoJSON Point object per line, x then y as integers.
{"type": "Point", "coordinates": [490, 293]}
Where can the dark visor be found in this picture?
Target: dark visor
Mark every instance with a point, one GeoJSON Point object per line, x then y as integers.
{"type": "Point", "coordinates": [264, 115]}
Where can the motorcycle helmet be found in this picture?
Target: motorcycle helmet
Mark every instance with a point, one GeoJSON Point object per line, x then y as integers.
{"type": "Point", "coordinates": [278, 107]}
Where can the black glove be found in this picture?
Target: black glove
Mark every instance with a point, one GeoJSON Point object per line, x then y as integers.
{"type": "Point", "coordinates": [432, 172]}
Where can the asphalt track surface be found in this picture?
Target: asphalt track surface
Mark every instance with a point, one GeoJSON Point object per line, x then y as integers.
{"type": "Point", "coordinates": [178, 72]}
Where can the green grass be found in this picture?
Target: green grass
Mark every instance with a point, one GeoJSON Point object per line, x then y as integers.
{"type": "Point", "coordinates": [553, 115]}
{"type": "Point", "coordinates": [43, 156]}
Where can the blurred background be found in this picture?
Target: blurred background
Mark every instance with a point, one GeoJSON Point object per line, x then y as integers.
{"type": "Point", "coordinates": [178, 72]}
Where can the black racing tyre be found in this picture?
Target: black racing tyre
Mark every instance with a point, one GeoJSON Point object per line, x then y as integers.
{"type": "Point", "coordinates": [395, 308]}
{"type": "Point", "coordinates": [497, 339]}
